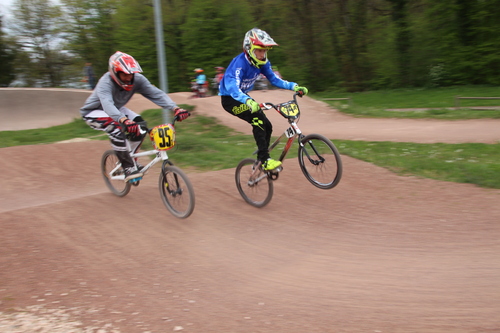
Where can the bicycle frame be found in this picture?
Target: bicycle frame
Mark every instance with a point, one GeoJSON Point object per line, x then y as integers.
{"type": "Point", "coordinates": [161, 155]}
{"type": "Point", "coordinates": [176, 190]}
{"type": "Point", "coordinates": [319, 159]}
{"type": "Point", "coordinates": [293, 132]}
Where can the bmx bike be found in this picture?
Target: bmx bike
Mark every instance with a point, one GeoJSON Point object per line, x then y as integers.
{"type": "Point", "coordinates": [176, 190]}
{"type": "Point", "coordinates": [318, 157]}
{"type": "Point", "coordinates": [199, 91]}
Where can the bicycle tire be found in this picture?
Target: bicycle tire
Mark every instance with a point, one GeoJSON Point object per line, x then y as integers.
{"type": "Point", "coordinates": [256, 194]}
{"type": "Point", "coordinates": [323, 171]}
{"type": "Point", "coordinates": [109, 162]}
{"type": "Point", "coordinates": [176, 191]}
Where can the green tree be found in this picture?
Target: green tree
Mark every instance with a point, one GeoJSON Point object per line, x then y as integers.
{"type": "Point", "coordinates": [135, 34]}
{"type": "Point", "coordinates": [7, 57]}
{"type": "Point", "coordinates": [403, 39]}
{"type": "Point", "coordinates": [90, 31]}
{"type": "Point", "coordinates": [484, 28]}
{"type": "Point", "coordinates": [38, 28]}
{"type": "Point", "coordinates": [349, 44]}
{"type": "Point", "coordinates": [213, 34]}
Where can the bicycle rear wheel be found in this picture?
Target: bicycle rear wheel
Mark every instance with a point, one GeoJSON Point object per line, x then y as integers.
{"type": "Point", "coordinates": [114, 174]}
{"type": "Point", "coordinates": [253, 184]}
{"type": "Point", "coordinates": [176, 191]}
{"type": "Point", "coordinates": [320, 161]}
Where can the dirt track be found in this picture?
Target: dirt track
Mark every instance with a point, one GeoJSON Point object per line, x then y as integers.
{"type": "Point", "coordinates": [379, 253]}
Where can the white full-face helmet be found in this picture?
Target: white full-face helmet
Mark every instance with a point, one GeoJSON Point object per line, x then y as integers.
{"type": "Point", "coordinates": [257, 39]}
{"type": "Point", "coordinates": [122, 62]}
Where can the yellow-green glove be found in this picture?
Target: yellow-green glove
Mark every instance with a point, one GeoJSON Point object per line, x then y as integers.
{"type": "Point", "coordinates": [301, 90]}
{"type": "Point", "coordinates": [253, 105]}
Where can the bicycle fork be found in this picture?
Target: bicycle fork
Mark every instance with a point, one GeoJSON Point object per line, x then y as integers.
{"type": "Point", "coordinates": [320, 159]}
{"type": "Point", "coordinates": [173, 189]}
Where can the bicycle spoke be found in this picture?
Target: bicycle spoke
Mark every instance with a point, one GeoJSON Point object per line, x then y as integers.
{"type": "Point", "coordinates": [176, 191]}
{"type": "Point", "coordinates": [253, 183]}
{"type": "Point", "coordinates": [113, 174]}
{"type": "Point", "coordinates": [320, 161]}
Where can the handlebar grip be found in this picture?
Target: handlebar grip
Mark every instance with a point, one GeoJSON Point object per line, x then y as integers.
{"type": "Point", "coordinates": [265, 106]}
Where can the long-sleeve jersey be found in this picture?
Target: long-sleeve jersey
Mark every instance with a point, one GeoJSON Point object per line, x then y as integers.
{"type": "Point", "coordinates": [109, 96]}
{"type": "Point", "coordinates": [240, 77]}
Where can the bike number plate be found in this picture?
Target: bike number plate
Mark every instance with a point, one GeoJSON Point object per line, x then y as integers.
{"type": "Point", "coordinates": [289, 109]}
{"type": "Point", "coordinates": [290, 132]}
{"type": "Point", "coordinates": [163, 136]}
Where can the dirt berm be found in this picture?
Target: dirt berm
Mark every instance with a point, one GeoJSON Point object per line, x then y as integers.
{"type": "Point", "coordinates": [378, 253]}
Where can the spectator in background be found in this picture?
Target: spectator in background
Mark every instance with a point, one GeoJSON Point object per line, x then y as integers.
{"type": "Point", "coordinates": [201, 84]}
{"type": "Point", "coordinates": [219, 74]}
{"type": "Point", "coordinates": [89, 76]}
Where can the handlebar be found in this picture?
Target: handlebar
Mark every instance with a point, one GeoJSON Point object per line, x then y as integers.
{"type": "Point", "coordinates": [148, 130]}
{"type": "Point", "coordinates": [269, 105]}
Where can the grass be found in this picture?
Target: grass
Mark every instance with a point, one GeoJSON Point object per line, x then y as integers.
{"type": "Point", "coordinates": [438, 100]}
{"type": "Point", "coordinates": [203, 144]}
{"type": "Point", "coordinates": [76, 129]}
{"type": "Point", "coordinates": [472, 163]}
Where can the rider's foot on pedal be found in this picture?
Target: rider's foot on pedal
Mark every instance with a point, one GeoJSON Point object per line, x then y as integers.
{"type": "Point", "coordinates": [270, 164]}
{"type": "Point", "coordinates": [132, 173]}
{"type": "Point", "coordinates": [139, 166]}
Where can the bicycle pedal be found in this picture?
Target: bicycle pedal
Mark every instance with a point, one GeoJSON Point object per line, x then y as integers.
{"type": "Point", "coordinates": [277, 170]}
{"type": "Point", "coordinates": [133, 180]}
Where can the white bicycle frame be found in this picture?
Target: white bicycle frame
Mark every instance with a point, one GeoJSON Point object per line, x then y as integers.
{"type": "Point", "coordinates": [161, 155]}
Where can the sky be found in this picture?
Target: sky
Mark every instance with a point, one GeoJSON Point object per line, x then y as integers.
{"type": "Point", "coordinates": [5, 3]}
{"type": "Point", "coordinates": [5, 6]}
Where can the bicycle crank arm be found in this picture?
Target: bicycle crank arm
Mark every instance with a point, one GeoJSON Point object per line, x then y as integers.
{"type": "Point", "coordinates": [274, 174]}
{"type": "Point", "coordinates": [252, 182]}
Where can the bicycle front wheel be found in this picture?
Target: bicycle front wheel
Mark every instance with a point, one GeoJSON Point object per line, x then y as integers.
{"type": "Point", "coordinates": [253, 183]}
{"type": "Point", "coordinates": [113, 174]}
{"type": "Point", "coordinates": [176, 191]}
{"type": "Point", "coordinates": [320, 161]}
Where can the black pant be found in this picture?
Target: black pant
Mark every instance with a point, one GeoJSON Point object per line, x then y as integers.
{"type": "Point", "coordinates": [261, 126]}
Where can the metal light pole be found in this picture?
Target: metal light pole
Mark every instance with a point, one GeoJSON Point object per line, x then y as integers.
{"type": "Point", "coordinates": [160, 50]}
